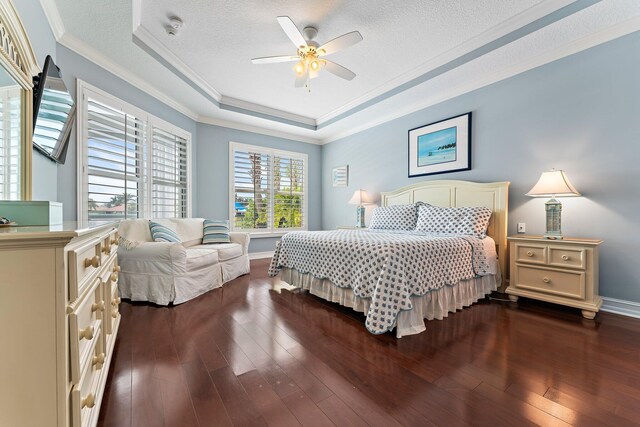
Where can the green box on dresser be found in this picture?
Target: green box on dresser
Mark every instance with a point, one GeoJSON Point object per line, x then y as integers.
{"type": "Point", "coordinates": [563, 271]}
{"type": "Point", "coordinates": [29, 213]}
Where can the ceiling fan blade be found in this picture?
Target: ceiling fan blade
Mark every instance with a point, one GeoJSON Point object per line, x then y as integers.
{"type": "Point", "coordinates": [274, 59]}
{"type": "Point", "coordinates": [290, 29]}
{"type": "Point", "coordinates": [339, 70]}
{"type": "Point", "coordinates": [339, 43]}
{"type": "Point", "coordinates": [301, 79]}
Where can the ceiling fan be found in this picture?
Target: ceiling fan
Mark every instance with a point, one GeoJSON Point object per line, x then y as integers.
{"type": "Point", "coordinates": [310, 55]}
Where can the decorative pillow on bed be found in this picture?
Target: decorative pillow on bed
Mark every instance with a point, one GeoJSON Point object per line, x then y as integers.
{"type": "Point", "coordinates": [161, 233]}
{"type": "Point", "coordinates": [215, 232]}
{"type": "Point", "coordinates": [471, 221]}
{"type": "Point", "coordinates": [396, 217]}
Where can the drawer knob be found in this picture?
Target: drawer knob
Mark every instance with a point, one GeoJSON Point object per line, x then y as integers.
{"type": "Point", "coordinates": [86, 333]}
{"type": "Point", "coordinates": [97, 306]}
{"type": "Point", "coordinates": [106, 250]}
{"type": "Point", "coordinates": [92, 262]}
{"type": "Point", "coordinates": [114, 242]}
{"type": "Point", "coordinates": [114, 277]}
{"type": "Point", "coordinates": [89, 401]}
{"type": "Point", "coordinates": [546, 280]}
{"type": "Point", "coordinates": [116, 269]}
{"type": "Point", "coordinates": [565, 257]}
{"type": "Point", "coordinates": [529, 253]}
{"type": "Point", "coordinates": [116, 301]}
{"type": "Point", "coordinates": [98, 360]}
{"type": "Point", "coordinates": [114, 313]}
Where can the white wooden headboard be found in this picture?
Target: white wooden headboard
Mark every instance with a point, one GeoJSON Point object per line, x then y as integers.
{"type": "Point", "coordinates": [449, 193]}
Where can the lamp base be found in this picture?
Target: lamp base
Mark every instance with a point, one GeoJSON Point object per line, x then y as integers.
{"type": "Point", "coordinates": [553, 236]}
{"type": "Point", "coordinates": [553, 209]}
{"type": "Point", "coordinates": [360, 217]}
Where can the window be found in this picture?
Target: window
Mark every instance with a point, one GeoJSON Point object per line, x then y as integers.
{"type": "Point", "coordinates": [134, 165]}
{"type": "Point", "coordinates": [10, 142]}
{"type": "Point", "coordinates": [269, 189]}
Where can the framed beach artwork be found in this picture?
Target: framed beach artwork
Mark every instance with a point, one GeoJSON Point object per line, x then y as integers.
{"type": "Point", "coordinates": [340, 176]}
{"type": "Point", "coordinates": [441, 147]}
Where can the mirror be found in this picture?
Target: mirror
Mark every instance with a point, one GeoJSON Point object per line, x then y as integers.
{"type": "Point", "coordinates": [18, 65]}
{"type": "Point", "coordinates": [11, 146]}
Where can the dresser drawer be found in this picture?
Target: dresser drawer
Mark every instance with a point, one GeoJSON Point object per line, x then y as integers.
{"type": "Point", "coordinates": [84, 262]}
{"type": "Point", "coordinates": [86, 394]}
{"type": "Point", "coordinates": [562, 283]}
{"type": "Point", "coordinates": [531, 253]}
{"type": "Point", "coordinates": [567, 257]}
{"type": "Point", "coordinates": [84, 323]}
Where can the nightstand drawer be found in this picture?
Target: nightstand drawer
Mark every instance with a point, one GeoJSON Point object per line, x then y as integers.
{"type": "Point", "coordinates": [567, 257]}
{"type": "Point", "coordinates": [531, 254]}
{"type": "Point", "coordinates": [562, 283]}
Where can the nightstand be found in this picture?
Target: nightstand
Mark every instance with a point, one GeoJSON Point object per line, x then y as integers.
{"type": "Point", "coordinates": [349, 227]}
{"type": "Point", "coordinates": [558, 271]}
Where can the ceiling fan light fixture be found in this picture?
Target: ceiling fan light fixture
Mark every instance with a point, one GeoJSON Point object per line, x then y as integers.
{"type": "Point", "coordinates": [314, 64]}
{"type": "Point", "coordinates": [299, 68]}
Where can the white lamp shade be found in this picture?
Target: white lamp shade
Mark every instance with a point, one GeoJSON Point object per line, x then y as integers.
{"type": "Point", "coordinates": [359, 197]}
{"type": "Point", "coordinates": [553, 184]}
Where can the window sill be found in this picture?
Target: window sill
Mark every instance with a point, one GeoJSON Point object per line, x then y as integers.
{"type": "Point", "coordinates": [259, 235]}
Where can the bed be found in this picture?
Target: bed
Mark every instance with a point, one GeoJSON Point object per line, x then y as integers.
{"type": "Point", "coordinates": [398, 278]}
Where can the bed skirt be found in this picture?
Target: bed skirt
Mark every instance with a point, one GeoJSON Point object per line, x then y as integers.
{"type": "Point", "coordinates": [436, 304]}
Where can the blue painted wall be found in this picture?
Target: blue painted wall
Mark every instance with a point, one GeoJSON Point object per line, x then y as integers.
{"type": "Point", "coordinates": [579, 114]}
{"type": "Point", "coordinates": [213, 174]}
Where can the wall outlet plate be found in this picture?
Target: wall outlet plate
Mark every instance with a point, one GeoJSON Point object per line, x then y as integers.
{"type": "Point", "coordinates": [522, 227]}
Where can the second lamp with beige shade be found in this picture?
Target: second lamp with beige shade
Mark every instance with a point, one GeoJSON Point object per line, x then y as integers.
{"type": "Point", "coordinates": [360, 198]}
{"type": "Point", "coordinates": [553, 184]}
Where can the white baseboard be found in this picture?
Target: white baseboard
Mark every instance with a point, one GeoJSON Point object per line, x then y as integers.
{"type": "Point", "coordinates": [260, 255]}
{"type": "Point", "coordinates": [618, 306]}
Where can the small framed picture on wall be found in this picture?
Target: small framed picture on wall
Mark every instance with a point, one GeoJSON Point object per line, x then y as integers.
{"type": "Point", "coordinates": [441, 147]}
{"type": "Point", "coordinates": [340, 176]}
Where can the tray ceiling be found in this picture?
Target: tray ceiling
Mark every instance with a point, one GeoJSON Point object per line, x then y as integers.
{"type": "Point", "coordinates": [410, 49]}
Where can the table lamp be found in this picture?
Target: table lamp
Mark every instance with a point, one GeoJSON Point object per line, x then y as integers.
{"type": "Point", "coordinates": [553, 184]}
{"type": "Point", "coordinates": [360, 197]}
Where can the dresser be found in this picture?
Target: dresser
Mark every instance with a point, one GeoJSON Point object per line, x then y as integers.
{"type": "Point", "coordinates": [58, 322]}
{"type": "Point", "coordinates": [558, 271]}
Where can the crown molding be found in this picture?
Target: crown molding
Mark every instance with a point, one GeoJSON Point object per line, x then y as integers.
{"type": "Point", "coordinates": [246, 105]}
{"type": "Point", "coordinates": [53, 16]}
{"type": "Point", "coordinates": [520, 20]}
{"type": "Point", "coordinates": [83, 49]}
{"type": "Point", "coordinates": [256, 129]}
{"type": "Point", "coordinates": [611, 33]}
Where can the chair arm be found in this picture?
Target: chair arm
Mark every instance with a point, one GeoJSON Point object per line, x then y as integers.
{"type": "Point", "coordinates": [156, 257]}
{"type": "Point", "coordinates": [242, 239]}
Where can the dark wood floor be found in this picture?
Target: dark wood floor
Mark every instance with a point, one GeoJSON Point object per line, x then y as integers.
{"type": "Point", "coordinates": [247, 355]}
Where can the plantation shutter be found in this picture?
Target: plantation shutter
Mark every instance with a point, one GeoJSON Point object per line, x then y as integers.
{"type": "Point", "coordinates": [288, 192]}
{"type": "Point", "coordinates": [252, 190]}
{"type": "Point", "coordinates": [168, 174]}
{"type": "Point", "coordinates": [10, 147]}
{"type": "Point", "coordinates": [115, 166]}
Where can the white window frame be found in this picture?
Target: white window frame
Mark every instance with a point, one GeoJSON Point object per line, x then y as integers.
{"type": "Point", "coordinates": [85, 91]}
{"type": "Point", "coordinates": [270, 232]}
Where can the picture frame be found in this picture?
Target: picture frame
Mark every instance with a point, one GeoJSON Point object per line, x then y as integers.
{"type": "Point", "coordinates": [440, 147]}
{"type": "Point", "coordinates": [340, 176]}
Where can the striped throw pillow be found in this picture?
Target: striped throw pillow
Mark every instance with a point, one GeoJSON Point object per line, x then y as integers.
{"type": "Point", "coordinates": [215, 232]}
{"type": "Point", "coordinates": [161, 233]}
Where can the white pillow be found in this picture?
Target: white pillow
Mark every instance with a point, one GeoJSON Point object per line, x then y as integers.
{"type": "Point", "coordinates": [470, 221]}
{"type": "Point", "coordinates": [396, 217]}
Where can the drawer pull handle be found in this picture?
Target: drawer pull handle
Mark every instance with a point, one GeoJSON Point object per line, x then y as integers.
{"type": "Point", "coordinates": [114, 313]}
{"type": "Point", "coordinates": [546, 280]}
{"type": "Point", "coordinates": [98, 360]}
{"type": "Point", "coordinates": [89, 401]}
{"type": "Point", "coordinates": [529, 253]}
{"type": "Point", "coordinates": [86, 333]}
{"type": "Point", "coordinates": [92, 262]}
{"type": "Point", "coordinates": [97, 306]}
{"type": "Point", "coordinates": [565, 257]}
{"type": "Point", "coordinates": [116, 301]}
{"type": "Point", "coordinates": [116, 269]}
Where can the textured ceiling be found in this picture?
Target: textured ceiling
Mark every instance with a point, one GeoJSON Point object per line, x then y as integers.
{"type": "Point", "coordinates": [220, 37]}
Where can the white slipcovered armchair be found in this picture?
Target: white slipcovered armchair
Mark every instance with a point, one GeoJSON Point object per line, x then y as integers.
{"type": "Point", "coordinates": [165, 273]}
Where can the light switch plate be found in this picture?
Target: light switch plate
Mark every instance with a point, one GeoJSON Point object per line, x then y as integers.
{"type": "Point", "coordinates": [522, 227]}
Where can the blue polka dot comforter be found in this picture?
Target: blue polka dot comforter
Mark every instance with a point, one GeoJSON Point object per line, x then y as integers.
{"type": "Point", "coordinates": [387, 267]}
